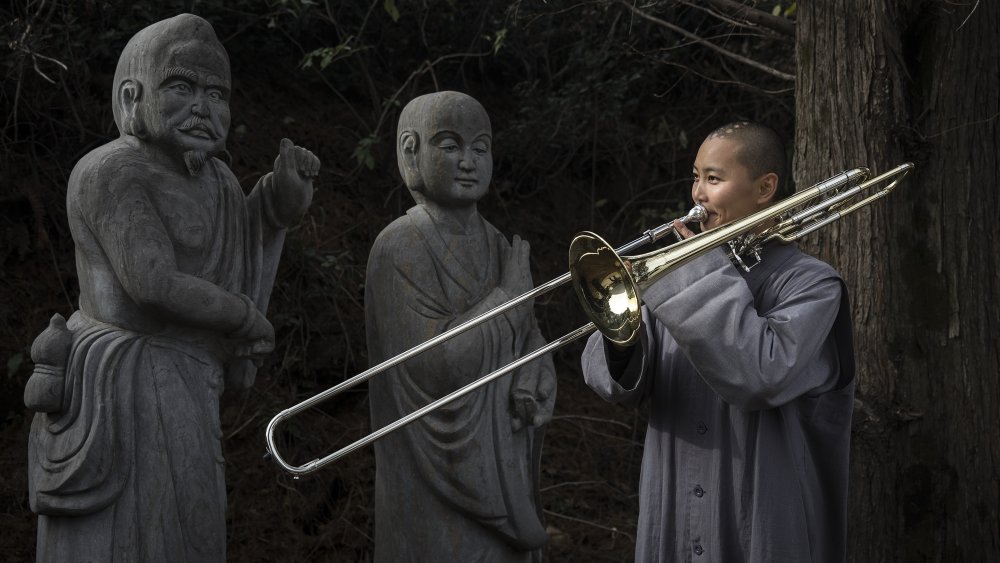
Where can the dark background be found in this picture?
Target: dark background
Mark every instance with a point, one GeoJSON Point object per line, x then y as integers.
{"type": "Point", "coordinates": [597, 112]}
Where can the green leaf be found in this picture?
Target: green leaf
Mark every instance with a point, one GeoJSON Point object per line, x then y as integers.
{"type": "Point", "coordinates": [391, 9]}
{"type": "Point", "coordinates": [776, 11]}
{"type": "Point", "coordinates": [14, 363]}
{"type": "Point", "coordinates": [363, 153]}
{"type": "Point", "coordinates": [498, 40]}
{"type": "Point", "coordinates": [326, 55]}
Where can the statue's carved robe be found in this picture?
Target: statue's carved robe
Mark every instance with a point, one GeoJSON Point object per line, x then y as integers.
{"type": "Point", "coordinates": [459, 484]}
{"type": "Point", "coordinates": [131, 469]}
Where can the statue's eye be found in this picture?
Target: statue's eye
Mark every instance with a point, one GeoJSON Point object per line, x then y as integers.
{"type": "Point", "coordinates": [449, 147]}
{"type": "Point", "coordinates": [179, 87]}
{"type": "Point", "coordinates": [481, 150]}
{"type": "Point", "coordinates": [216, 94]}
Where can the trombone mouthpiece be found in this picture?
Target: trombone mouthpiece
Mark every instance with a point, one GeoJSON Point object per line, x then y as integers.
{"type": "Point", "coordinates": [697, 213]}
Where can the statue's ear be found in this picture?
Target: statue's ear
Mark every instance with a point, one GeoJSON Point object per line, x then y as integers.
{"type": "Point", "coordinates": [129, 94]}
{"type": "Point", "coordinates": [409, 165]}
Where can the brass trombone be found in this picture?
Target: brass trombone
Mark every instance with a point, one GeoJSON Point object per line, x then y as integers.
{"type": "Point", "coordinates": [697, 213]}
{"type": "Point", "coordinates": [609, 287]}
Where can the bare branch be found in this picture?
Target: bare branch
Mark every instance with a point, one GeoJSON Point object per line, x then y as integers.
{"type": "Point", "coordinates": [725, 52]}
{"type": "Point", "coordinates": [753, 15]}
{"type": "Point", "coordinates": [974, 7]}
{"type": "Point", "coordinates": [613, 530]}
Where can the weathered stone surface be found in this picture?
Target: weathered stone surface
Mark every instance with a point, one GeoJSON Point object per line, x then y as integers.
{"type": "Point", "coordinates": [175, 266]}
{"type": "Point", "coordinates": [461, 484]}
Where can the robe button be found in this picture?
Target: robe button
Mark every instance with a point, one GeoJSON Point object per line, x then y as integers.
{"type": "Point", "coordinates": [702, 428]}
{"type": "Point", "coordinates": [697, 549]}
{"type": "Point", "coordinates": [699, 492]}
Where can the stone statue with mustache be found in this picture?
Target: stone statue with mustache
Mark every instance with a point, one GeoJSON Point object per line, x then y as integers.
{"type": "Point", "coordinates": [175, 269]}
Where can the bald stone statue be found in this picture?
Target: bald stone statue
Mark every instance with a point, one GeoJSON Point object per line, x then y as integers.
{"type": "Point", "coordinates": [460, 484]}
{"type": "Point", "coordinates": [175, 267]}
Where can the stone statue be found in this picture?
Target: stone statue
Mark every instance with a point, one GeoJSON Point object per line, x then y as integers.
{"type": "Point", "coordinates": [175, 267]}
{"type": "Point", "coordinates": [460, 484]}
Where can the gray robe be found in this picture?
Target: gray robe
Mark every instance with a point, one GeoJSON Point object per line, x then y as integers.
{"type": "Point", "coordinates": [749, 378]}
{"type": "Point", "coordinates": [459, 484]}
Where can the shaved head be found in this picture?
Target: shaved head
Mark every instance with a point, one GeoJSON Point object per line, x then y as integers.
{"type": "Point", "coordinates": [427, 116]}
{"type": "Point", "coordinates": [761, 151]}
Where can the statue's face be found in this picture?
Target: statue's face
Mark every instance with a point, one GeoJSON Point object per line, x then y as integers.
{"type": "Point", "coordinates": [188, 105]}
{"type": "Point", "coordinates": [456, 156]}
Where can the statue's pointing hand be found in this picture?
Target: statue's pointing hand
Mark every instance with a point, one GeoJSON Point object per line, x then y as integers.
{"type": "Point", "coordinates": [294, 170]}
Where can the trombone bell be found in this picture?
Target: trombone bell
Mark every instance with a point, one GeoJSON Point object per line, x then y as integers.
{"type": "Point", "coordinates": [605, 287]}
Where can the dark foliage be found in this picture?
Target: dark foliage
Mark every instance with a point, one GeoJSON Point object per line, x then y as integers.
{"type": "Point", "coordinates": [597, 114]}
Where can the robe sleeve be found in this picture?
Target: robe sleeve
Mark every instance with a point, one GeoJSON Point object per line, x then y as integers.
{"type": "Point", "coordinates": [268, 233]}
{"type": "Point", "coordinates": [409, 307]}
{"type": "Point", "coordinates": [539, 376]}
{"type": "Point", "coordinates": [752, 359]}
{"type": "Point", "coordinates": [622, 377]}
{"type": "Point", "coordinates": [266, 239]}
{"type": "Point", "coordinates": [262, 198]}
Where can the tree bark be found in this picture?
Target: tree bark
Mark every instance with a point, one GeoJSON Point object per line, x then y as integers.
{"type": "Point", "coordinates": [880, 82]}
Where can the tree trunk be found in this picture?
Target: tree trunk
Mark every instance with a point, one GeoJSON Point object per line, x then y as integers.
{"type": "Point", "coordinates": [880, 82]}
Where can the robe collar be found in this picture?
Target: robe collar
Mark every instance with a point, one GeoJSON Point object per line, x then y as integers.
{"type": "Point", "coordinates": [474, 283]}
{"type": "Point", "coordinates": [773, 256]}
